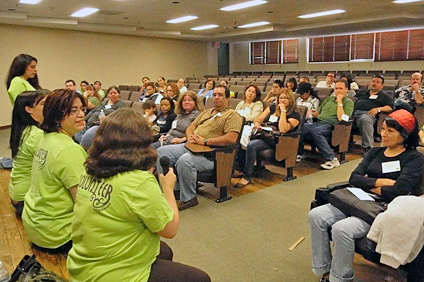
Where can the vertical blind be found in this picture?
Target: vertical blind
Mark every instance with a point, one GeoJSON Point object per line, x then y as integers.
{"type": "Point", "coordinates": [329, 48]}
{"type": "Point", "coordinates": [270, 52]}
{"type": "Point", "coordinates": [362, 46]}
{"type": "Point", "coordinates": [399, 45]}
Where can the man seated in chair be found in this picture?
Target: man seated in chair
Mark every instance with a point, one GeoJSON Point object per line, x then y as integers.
{"type": "Point", "coordinates": [336, 107]}
{"type": "Point", "coordinates": [218, 126]}
{"type": "Point", "coordinates": [329, 81]}
{"type": "Point", "coordinates": [409, 96]}
{"type": "Point", "coordinates": [369, 103]}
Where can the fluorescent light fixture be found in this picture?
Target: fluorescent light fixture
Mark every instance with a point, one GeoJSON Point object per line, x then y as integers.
{"type": "Point", "coordinates": [32, 2]}
{"type": "Point", "coordinates": [84, 12]}
{"type": "Point", "coordinates": [182, 19]}
{"type": "Point", "coordinates": [243, 5]}
{"type": "Point", "coordinates": [209, 26]}
{"type": "Point", "coordinates": [253, 24]}
{"type": "Point", "coordinates": [320, 14]}
{"type": "Point", "coordinates": [405, 1]}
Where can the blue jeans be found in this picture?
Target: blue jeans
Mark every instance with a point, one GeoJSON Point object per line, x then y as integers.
{"type": "Point", "coordinates": [88, 137]}
{"type": "Point", "coordinates": [317, 133]}
{"type": "Point", "coordinates": [253, 147]}
{"type": "Point", "coordinates": [186, 166]}
{"type": "Point", "coordinates": [344, 231]}
{"type": "Point", "coordinates": [365, 123]}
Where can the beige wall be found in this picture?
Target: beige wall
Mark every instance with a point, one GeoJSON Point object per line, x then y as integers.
{"type": "Point", "coordinates": [239, 61]}
{"type": "Point", "coordinates": [112, 59]}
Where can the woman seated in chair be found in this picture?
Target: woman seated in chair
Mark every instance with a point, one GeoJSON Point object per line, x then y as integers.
{"type": "Point", "coordinates": [24, 138]}
{"type": "Point", "coordinates": [283, 117]}
{"type": "Point", "coordinates": [389, 171]}
{"type": "Point", "coordinates": [251, 106]}
{"type": "Point", "coordinates": [207, 92]}
{"type": "Point", "coordinates": [121, 212]}
{"type": "Point", "coordinates": [308, 98]}
{"type": "Point", "coordinates": [151, 94]}
{"type": "Point", "coordinates": [173, 92]}
{"type": "Point", "coordinates": [92, 96]}
{"type": "Point", "coordinates": [277, 88]}
{"type": "Point", "coordinates": [109, 105]}
{"type": "Point", "coordinates": [188, 108]}
{"type": "Point", "coordinates": [163, 122]}
{"type": "Point", "coordinates": [56, 172]}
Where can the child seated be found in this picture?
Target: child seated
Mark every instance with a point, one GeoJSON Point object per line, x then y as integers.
{"type": "Point", "coordinates": [149, 108]}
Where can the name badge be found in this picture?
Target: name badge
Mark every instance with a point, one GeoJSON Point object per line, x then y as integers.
{"type": "Point", "coordinates": [241, 112]}
{"type": "Point", "coordinates": [345, 117]}
{"type": "Point", "coordinates": [373, 97]}
{"type": "Point", "coordinates": [174, 124]}
{"type": "Point", "coordinates": [217, 115]}
{"type": "Point", "coordinates": [161, 121]}
{"type": "Point", "coordinates": [388, 167]}
{"type": "Point", "coordinates": [107, 107]}
{"type": "Point", "coordinates": [273, 118]}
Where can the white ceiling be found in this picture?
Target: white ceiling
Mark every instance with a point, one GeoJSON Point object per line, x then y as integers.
{"type": "Point", "coordinates": [148, 17]}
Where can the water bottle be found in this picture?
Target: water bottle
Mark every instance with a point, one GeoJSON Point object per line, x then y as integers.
{"type": "Point", "coordinates": [101, 115]}
{"type": "Point", "coordinates": [4, 274]}
{"type": "Point", "coordinates": [310, 118]}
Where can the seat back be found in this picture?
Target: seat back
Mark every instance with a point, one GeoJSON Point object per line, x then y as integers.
{"type": "Point", "coordinates": [135, 96]}
{"type": "Point", "coordinates": [125, 95]}
{"type": "Point", "coordinates": [138, 106]}
{"type": "Point", "coordinates": [133, 88]}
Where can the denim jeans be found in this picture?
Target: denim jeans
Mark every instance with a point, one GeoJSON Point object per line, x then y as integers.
{"type": "Point", "coordinates": [88, 137]}
{"type": "Point", "coordinates": [317, 133]}
{"type": "Point", "coordinates": [253, 147]}
{"type": "Point", "coordinates": [365, 123]}
{"type": "Point", "coordinates": [186, 166]}
{"type": "Point", "coordinates": [344, 231]}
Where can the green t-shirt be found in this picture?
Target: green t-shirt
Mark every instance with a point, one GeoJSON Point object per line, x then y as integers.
{"type": "Point", "coordinates": [20, 178]}
{"type": "Point", "coordinates": [101, 93]}
{"type": "Point", "coordinates": [57, 166]}
{"type": "Point", "coordinates": [17, 86]}
{"type": "Point", "coordinates": [328, 109]}
{"type": "Point", "coordinates": [114, 232]}
{"type": "Point", "coordinates": [94, 100]}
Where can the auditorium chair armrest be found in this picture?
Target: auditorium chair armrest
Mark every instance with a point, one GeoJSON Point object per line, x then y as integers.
{"type": "Point", "coordinates": [322, 193]}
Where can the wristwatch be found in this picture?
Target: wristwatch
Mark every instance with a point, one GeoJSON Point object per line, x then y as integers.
{"type": "Point", "coordinates": [205, 142]}
{"type": "Point", "coordinates": [340, 105]}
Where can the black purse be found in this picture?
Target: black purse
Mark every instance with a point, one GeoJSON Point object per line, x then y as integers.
{"type": "Point", "coordinates": [350, 205]}
{"type": "Point", "coordinates": [269, 137]}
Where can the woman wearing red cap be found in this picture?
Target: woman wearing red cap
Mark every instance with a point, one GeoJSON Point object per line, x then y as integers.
{"type": "Point", "coordinates": [392, 170]}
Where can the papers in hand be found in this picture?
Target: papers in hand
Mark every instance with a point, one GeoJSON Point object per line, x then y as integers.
{"type": "Point", "coordinates": [360, 194]}
{"type": "Point", "coordinates": [267, 128]}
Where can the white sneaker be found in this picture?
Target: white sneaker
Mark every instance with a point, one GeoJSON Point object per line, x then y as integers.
{"type": "Point", "coordinates": [299, 158]}
{"type": "Point", "coordinates": [331, 164]}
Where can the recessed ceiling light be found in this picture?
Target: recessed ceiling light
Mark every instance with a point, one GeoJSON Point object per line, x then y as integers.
{"type": "Point", "coordinates": [33, 2]}
{"type": "Point", "coordinates": [320, 14]}
{"type": "Point", "coordinates": [84, 12]}
{"type": "Point", "coordinates": [243, 5]}
{"type": "Point", "coordinates": [182, 19]}
{"type": "Point", "coordinates": [405, 1]}
{"type": "Point", "coordinates": [209, 26]}
{"type": "Point", "coordinates": [253, 24]}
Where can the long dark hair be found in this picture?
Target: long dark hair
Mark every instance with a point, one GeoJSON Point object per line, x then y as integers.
{"type": "Point", "coordinates": [21, 118]}
{"type": "Point", "coordinates": [18, 68]}
{"type": "Point", "coordinates": [122, 143]}
{"type": "Point", "coordinates": [57, 106]}
{"type": "Point", "coordinates": [410, 140]}
{"type": "Point", "coordinates": [172, 110]}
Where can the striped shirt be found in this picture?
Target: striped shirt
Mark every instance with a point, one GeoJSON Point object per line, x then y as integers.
{"type": "Point", "coordinates": [210, 125]}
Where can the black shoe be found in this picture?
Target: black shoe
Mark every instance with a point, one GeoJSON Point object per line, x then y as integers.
{"type": "Point", "coordinates": [185, 205]}
{"type": "Point", "coordinates": [177, 194]}
{"type": "Point", "coordinates": [324, 280]}
{"type": "Point", "coordinates": [239, 185]}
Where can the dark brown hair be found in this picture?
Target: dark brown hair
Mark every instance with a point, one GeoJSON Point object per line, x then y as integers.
{"type": "Point", "coordinates": [122, 143]}
{"type": "Point", "coordinates": [57, 106]}
{"type": "Point", "coordinates": [257, 90]}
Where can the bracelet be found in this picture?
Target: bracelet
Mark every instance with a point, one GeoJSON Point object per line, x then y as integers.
{"type": "Point", "coordinates": [379, 110]}
{"type": "Point", "coordinates": [283, 111]}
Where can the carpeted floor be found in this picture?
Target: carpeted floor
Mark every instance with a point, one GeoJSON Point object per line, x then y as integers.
{"type": "Point", "coordinates": [247, 238]}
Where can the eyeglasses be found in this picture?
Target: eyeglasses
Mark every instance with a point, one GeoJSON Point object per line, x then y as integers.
{"type": "Point", "coordinates": [76, 111]}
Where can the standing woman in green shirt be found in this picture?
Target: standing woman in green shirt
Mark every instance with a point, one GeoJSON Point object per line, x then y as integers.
{"type": "Point", "coordinates": [56, 172]}
{"type": "Point", "coordinates": [121, 212]}
{"type": "Point", "coordinates": [24, 138]}
{"type": "Point", "coordinates": [22, 76]}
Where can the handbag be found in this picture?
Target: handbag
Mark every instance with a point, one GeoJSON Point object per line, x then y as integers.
{"type": "Point", "coordinates": [30, 270]}
{"type": "Point", "coordinates": [266, 135]}
{"type": "Point", "coordinates": [351, 205]}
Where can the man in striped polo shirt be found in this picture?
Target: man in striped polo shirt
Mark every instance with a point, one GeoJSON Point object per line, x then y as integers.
{"type": "Point", "coordinates": [219, 126]}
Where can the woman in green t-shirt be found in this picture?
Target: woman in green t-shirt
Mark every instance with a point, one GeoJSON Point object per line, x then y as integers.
{"type": "Point", "coordinates": [56, 172]}
{"type": "Point", "coordinates": [24, 137]}
{"type": "Point", "coordinates": [22, 76]}
{"type": "Point", "coordinates": [93, 98]}
{"type": "Point", "coordinates": [120, 211]}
